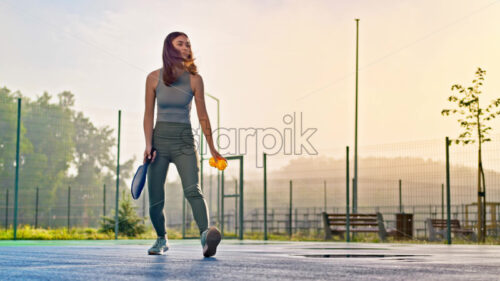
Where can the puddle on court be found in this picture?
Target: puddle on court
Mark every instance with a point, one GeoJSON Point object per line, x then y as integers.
{"type": "Point", "coordinates": [359, 256]}
{"type": "Point", "coordinates": [365, 249]}
{"type": "Point", "coordinates": [256, 243]}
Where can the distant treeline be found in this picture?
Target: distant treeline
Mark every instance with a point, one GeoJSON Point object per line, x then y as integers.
{"type": "Point", "coordinates": [59, 147]}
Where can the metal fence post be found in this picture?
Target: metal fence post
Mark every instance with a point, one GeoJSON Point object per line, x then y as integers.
{"type": "Point", "coordinates": [36, 209]}
{"type": "Point", "coordinates": [265, 196]}
{"type": "Point", "coordinates": [16, 186]}
{"type": "Point", "coordinates": [117, 175]}
{"type": "Point", "coordinates": [236, 207]}
{"type": "Point", "coordinates": [290, 212]}
{"type": "Point", "coordinates": [222, 205]}
{"type": "Point", "coordinates": [348, 224]}
{"type": "Point", "coordinates": [7, 209]}
{"type": "Point", "coordinates": [448, 211]}
{"type": "Point", "coordinates": [69, 205]}
{"type": "Point", "coordinates": [242, 199]}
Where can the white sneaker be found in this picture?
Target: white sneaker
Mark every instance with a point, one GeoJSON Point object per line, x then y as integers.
{"type": "Point", "coordinates": [210, 238]}
{"type": "Point", "coordinates": [159, 247]}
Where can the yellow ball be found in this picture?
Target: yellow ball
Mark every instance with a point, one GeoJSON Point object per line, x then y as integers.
{"type": "Point", "coordinates": [221, 165]}
{"type": "Point", "coordinates": [212, 162]}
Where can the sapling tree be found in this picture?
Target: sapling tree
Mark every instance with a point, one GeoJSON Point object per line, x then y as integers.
{"type": "Point", "coordinates": [474, 119]}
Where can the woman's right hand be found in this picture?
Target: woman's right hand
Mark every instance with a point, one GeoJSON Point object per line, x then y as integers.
{"type": "Point", "coordinates": [147, 154]}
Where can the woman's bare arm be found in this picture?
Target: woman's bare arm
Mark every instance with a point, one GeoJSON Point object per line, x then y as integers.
{"type": "Point", "coordinates": [199, 96]}
{"type": "Point", "coordinates": [149, 111]}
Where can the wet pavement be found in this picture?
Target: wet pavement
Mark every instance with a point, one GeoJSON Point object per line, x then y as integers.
{"type": "Point", "coordinates": [246, 260]}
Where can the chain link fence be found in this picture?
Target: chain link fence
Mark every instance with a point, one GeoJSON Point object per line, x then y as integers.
{"type": "Point", "coordinates": [67, 178]}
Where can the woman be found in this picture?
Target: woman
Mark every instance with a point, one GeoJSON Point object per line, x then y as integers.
{"type": "Point", "coordinates": [173, 87]}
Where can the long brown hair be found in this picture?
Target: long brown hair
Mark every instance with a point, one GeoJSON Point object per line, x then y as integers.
{"type": "Point", "coordinates": [172, 57]}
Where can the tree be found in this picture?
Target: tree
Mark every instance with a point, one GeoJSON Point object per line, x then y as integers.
{"type": "Point", "coordinates": [475, 121]}
{"type": "Point", "coordinates": [50, 129]}
{"type": "Point", "coordinates": [59, 147]}
{"type": "Point", "coordinates": [8, 127]}
{"type": "Point", "coordinates": [129, 223]}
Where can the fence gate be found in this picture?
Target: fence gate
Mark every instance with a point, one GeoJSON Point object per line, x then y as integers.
{"type": "Point", "coordinates": [236, 196]}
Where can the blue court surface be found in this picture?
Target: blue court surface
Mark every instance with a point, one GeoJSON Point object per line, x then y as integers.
{"type": "Point", "coordinates": [245, 260]}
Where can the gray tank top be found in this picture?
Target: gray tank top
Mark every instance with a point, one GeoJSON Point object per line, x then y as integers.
{"type": "Point", "coordinates": [173, 104]}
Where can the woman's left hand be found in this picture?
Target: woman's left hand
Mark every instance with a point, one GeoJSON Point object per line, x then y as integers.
{"type": "Point", "coordinates": [216, 155]}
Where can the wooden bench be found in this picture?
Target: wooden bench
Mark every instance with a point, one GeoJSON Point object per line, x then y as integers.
{"type": "Point", "coordinates": [335, 224]}
{"type": "Point", "coordinates": [439, 227]}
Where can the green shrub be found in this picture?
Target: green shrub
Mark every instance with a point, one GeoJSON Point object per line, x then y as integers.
{"type": "Point", "coordinates": [129, 223]}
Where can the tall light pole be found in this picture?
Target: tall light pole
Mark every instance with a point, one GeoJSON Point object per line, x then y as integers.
{"type": "Point", "coordinates": [355, 185]}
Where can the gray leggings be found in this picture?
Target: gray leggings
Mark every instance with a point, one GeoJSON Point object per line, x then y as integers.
{"type": "Point", "coordinates": [174, 143]}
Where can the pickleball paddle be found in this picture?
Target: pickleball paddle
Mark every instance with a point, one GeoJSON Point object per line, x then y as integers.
{"type": "Point", "coordinates": [140, 178]}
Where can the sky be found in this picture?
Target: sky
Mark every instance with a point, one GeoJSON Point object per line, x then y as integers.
{"type": "Point", "coordinates": [264, 60]}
